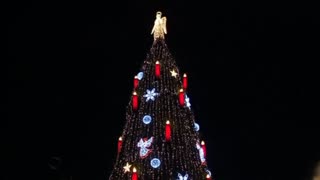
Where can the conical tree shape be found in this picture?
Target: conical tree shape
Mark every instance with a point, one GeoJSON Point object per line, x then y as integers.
{"type": "Point", "coordinates": [159, 139]}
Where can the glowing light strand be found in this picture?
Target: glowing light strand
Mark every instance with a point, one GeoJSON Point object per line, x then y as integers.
{"type": "Point", "coordinates": [166, 107]}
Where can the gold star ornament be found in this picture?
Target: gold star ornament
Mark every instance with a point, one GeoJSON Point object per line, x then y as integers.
{"type": "Point", "coordinates": [127, 167]}
{"type": "Point", "coordinates": [173, 73]}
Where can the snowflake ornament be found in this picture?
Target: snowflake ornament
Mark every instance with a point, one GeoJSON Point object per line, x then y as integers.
{"type": "Point", "coordinates": [143, 144]}
{"type": "Point", "coordinates": [187, 99]}
{"type": "Point", "coordinates": [150, 94]}
{"type": "Point", "coordinates": [185, 177]}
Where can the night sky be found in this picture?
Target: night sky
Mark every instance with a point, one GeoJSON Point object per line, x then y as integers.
{"type": "Point", "coordinates": [70, 72]}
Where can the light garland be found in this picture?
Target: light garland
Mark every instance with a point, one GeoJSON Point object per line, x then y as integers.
{"type": "Point", "coordinates": [148, 119]}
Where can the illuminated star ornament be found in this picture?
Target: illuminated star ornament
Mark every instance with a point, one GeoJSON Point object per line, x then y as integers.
{"type": "Point", "coordinates": [127, 167]}
{"type": "Point", "coordinates": [173, 73]}
{"type": "Point", "coordinates": [150, 94]}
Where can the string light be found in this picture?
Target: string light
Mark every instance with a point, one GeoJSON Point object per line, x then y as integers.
{"type": "Point", "coordinates": [180, 153]}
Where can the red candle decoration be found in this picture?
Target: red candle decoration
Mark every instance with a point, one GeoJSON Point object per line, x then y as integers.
{"type": "Point", "coordinates": [134, 174]}
{"type": "Point", "coordinates": [135, 101]}
{"type": "Point", "coordinates": [208, 177]}
{"type": "Point", "coordinates": [185, 81]}
{"type": "Point", "coordinates": [203, 146]}
{"type": "Point", "coordinates": [119, 144]}
{"type": "Point", "coordinates": [135, 82]}
{"type": "Point", "coordinates": [157, 69]}
{"type": "Point", "coordinates": [181, 97]}
{"type": "Point", "coordinates": [168, 131]}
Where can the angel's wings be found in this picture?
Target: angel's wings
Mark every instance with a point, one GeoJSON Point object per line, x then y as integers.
{"type": "Point", "coordinates": [145, 144]}
{"type": "Point", "coordinates": [164, 24]}
{"type": "Point", "coordinates": [140, 143]}
{"type": "Point", "coordinates": [148, 143]}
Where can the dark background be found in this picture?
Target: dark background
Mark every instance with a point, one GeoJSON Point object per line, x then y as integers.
{"type": "Point", "coordinates": [70, 66]}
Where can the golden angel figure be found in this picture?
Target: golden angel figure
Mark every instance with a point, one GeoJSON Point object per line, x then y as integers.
{"type": "Point", "coordinates": [159, 28]}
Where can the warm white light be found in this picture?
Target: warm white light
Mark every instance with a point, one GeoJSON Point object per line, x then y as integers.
{"type": "Point", "coordinates": [134, 93]}
{"type": "Point", "coordinates": [159, 27]}
{"type": "Point", "coordinates": [120, 138]}
{"type": "Point", "coordinates": [157, 62]}
{"type": "Point", "coordinates": [202, 142]}
{"type": "Point", "coordinates": [174, 73]}
{"type": "Point", "coordinates": [168, 122]}
{"type": "Point", "coordinates": [181, 90]}
{"type": "Point", "coordinates": [127, 167]}
{"type": "Point", "coordinates": [136, 77]}
{"type": "Point", "coordinates": [184, 75]}
{"type": "Point", "coordinates": [134, 169]}
{"type": "Point", "coordinates": [208, 176]}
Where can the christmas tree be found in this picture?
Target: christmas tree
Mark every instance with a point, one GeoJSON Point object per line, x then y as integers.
{"type": "Point", "coordinates": [161, 138]}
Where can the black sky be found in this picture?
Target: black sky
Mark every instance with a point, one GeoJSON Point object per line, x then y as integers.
{"type": "Point", "coordinates": [251, 73]}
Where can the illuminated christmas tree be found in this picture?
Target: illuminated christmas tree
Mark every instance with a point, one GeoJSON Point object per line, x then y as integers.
{"type": "Point", "coordinates": [161, 138]}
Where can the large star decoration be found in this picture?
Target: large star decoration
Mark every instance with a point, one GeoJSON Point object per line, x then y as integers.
{"type": "Point", "coordinates": [150, 94]}
{"type": "Point", "coordinates": [173, 73]}
{"type": "Point", "coordinates": [127, 167]}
